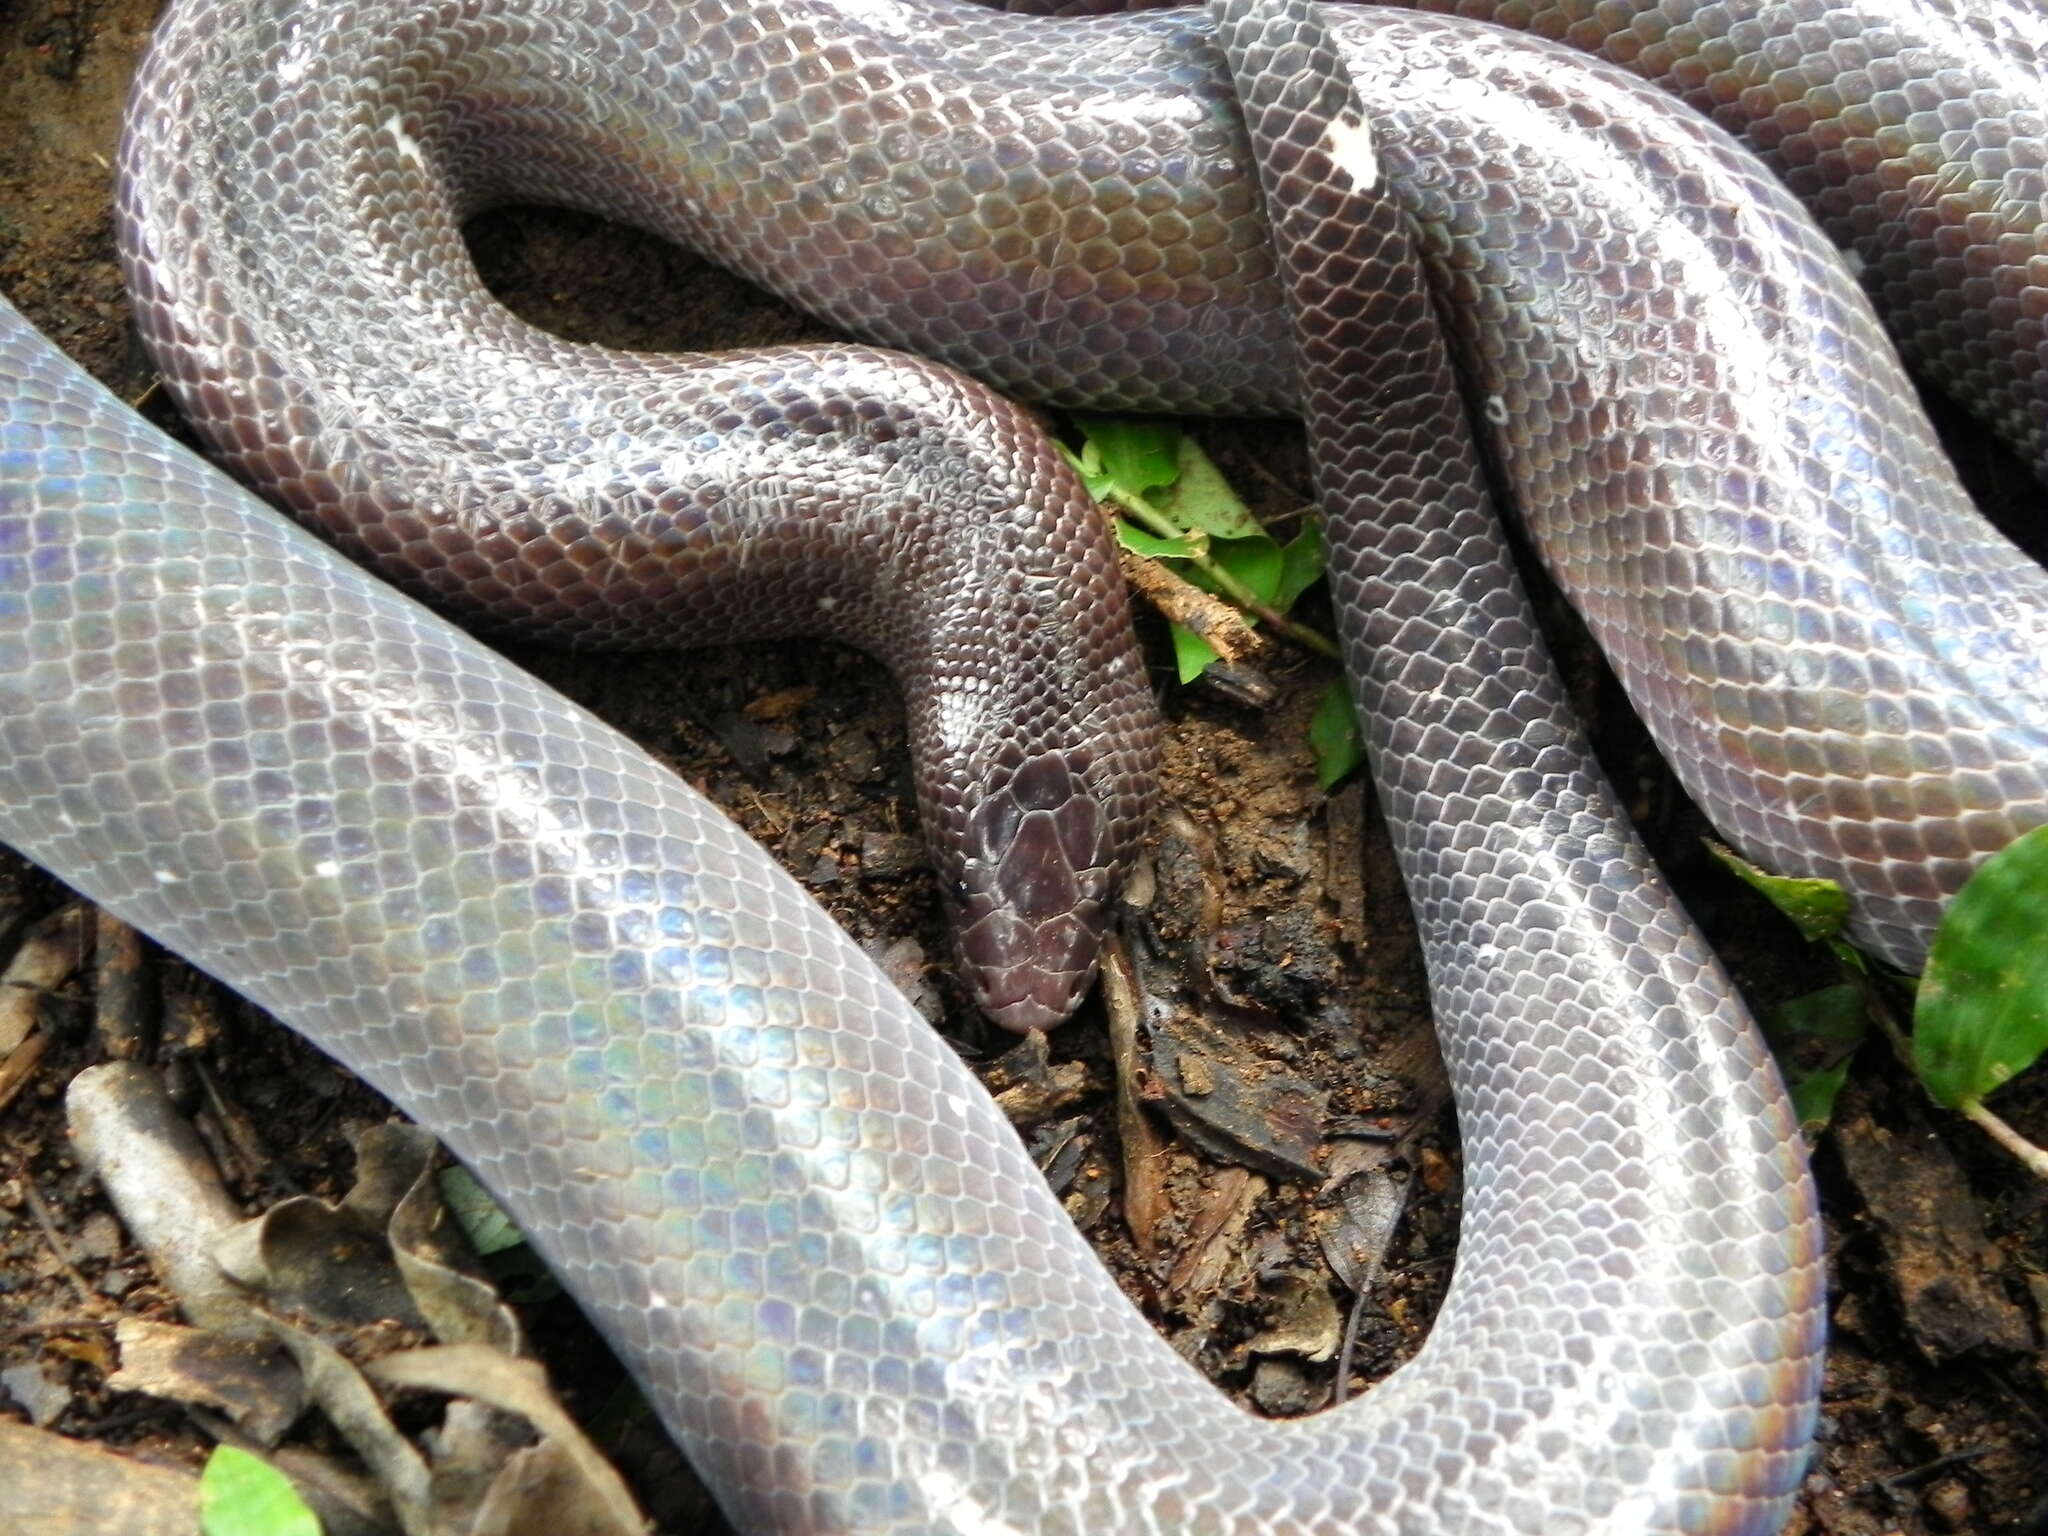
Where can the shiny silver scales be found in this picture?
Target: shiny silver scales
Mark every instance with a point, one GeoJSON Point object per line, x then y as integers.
{"type": "Point", "coordinates": [805, 1226]}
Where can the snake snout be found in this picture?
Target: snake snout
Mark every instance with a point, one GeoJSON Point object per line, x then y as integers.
{"type": "Point", "coordinates": [1033, 891]}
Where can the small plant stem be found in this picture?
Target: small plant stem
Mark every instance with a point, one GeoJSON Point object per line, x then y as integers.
{"type": "Point", "coordinates": [1238, 593]}
{"type": "Point", "coordinates": [2035, 1158]}
{"type": "Point", "coordinates": [1881, 1010]}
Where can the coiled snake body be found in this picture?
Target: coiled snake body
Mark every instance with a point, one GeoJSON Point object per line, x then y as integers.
{"type": "Point", "coordinates": [844, 1284]}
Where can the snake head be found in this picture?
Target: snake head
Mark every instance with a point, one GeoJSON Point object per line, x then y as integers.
{"type": "Point", "coordinates": [1031, 893]}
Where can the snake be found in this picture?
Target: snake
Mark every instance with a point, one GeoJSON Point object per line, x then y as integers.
{"type": "Point", "coordinates": [806, 1228]}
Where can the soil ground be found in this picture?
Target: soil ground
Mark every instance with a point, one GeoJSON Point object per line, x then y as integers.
{"type": "Point", "coordinates": [1936, 1416]}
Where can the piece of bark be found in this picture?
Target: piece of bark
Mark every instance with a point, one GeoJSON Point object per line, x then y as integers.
{"type": "Point", "coordinates": [1029, 1087]}
{"type": "Point", "coordinates": [1239, 683]}
{"type": "Point", "coordinates": [1241, 1109]}
{"type": "Point", "coordinates": [51, 1486]}
{"type": "Point", "coordinates": [252, 1381]}
{"type": "Point", "coordinates": [124, 1001]}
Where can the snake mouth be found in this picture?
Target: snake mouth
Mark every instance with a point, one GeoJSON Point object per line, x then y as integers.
{"type": "Point", "coordinates": [1033, 892]}
{"type": "Point", "coordinates": [1030, 978]}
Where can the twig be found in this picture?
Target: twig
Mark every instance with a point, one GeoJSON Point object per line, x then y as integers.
{"type": "Point", "coordinates": [124, 1003]}
{"type": "Point", "coordinates": [1222, 627]}
{"type": "Point", "coordinates": [55, 1239]}
{"type": "Point", "coordinates": [2035, 1158]}
{"type": "Point", "coordinates": [162, 1183]}
{"type": "Point", "coordinates": [1230, 586]}
{"type": "Point", "coordinates": [1913, 1477]}
{"type": "Point", "coordinates": [2031, 1157]}
{"type": "Point", "coordinates": [243, 1139]}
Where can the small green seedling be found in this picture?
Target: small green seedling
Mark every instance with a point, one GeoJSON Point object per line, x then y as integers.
{"type": "Point", "coordinates": [1980, 1012]}
{"type": "Point", "coordinates": [1981, 1016]}
{"type": "Point", "coordinates": [1173, 504]}
{"type": "Point", "coordinates": [243, 1495]}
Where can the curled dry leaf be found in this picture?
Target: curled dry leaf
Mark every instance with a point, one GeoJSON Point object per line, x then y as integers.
{"type": "Point", "coordinates": [1305, 1322]}
{"type": "Point", "coordinates": [586, 1496]}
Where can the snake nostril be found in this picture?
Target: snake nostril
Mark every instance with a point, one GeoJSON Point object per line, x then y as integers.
{"type": "Point", "coordinates": [1030, 976]}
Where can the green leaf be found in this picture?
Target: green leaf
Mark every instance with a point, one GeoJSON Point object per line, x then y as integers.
{"type": "Point", "coordinates": [1981, 1015]}
{"type": "Point", "coordinates": [1301, 566]}
{"type": "Point", "coordinates": [1333, 735]}
{"type": "Point", "coordinates": [1191, 653]}
{"type": "Point", "coordinates": [1853, 959]}
{"type": "Point", "coordinates": [1139, 455]}
{"type": "Point", "coordinates": [1832, 1013]}
{"type": "Point", "coordinates": [481, 1218]}
{"type": "Point", "coordinates": [1815, 1038]}
{"type": "Point", "coordinates": [1201, 498]}
{"type": "Point", "coordinates": [1151, 546]}
{"type": "Point", "coordinates": [242, 1495]}
{"type": "Point", "coordinates": [1818, 908]}
{"type": "Point", "coordinates": [1088, 465]}
{"type": "Point", "coordinates": [1257, 562]}
{"type": "Point", "coordinates": [1813, 1095]}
